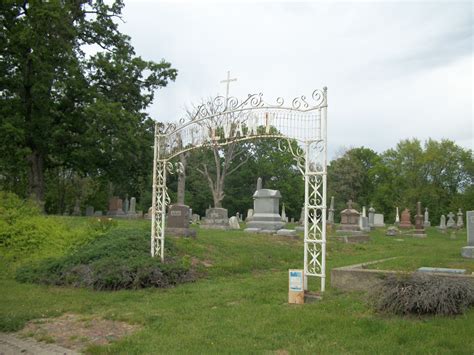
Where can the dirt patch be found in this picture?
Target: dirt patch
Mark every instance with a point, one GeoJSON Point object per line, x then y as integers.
{"type": "Point", "coordinates": [77, 332]}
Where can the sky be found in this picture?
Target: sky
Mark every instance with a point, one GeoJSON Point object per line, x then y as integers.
{"type": "Point", "coordinates": [394, 70]}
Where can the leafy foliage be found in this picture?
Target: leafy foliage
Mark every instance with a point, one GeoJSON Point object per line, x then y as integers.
{"type": "Point", "coordinates": [439, 174]}
{"type": "Point", "coordinates": [67, 114]}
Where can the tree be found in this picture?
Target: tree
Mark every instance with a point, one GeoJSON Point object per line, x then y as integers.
{"type": "Point", "coordinates": [63, 108]}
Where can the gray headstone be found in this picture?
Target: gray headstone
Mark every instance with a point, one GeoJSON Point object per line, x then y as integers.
{"type": "Point", "coordinates": [451, 223]}
{"type": "Point", "coordinates": [378, 220]}
{"type": "Point", "coordinates": [460, 222]}
{"type": "Point", "coordinates": [442, 222]}
{"type": "Point", "coordinates": [216, 218]}
{"type": "Point", "coordinates": [178, 216]}
{"type": "Point", "coordinates": [371, 216]}
{"type": "Point", "coordinates": [89, 211]}
{"type": "Point", "coordinates": [126, 205]}
{"type": "Point", "coordinates": [196, 218]}
{"type": "Point", "coordinates": [397, 217]}
{"type": "Point", "coordinates": [98, 213]}
{"type": "Point", "coordinates": [234, 223]}
{"type": "Point", "coordinates": [133, 205]}
{"type": "Point", "coordinates": [249, 214]}
{"type": "Point", "coordinates": [266, 205]}
{"type": "Point", "coordinates": [259, 183]}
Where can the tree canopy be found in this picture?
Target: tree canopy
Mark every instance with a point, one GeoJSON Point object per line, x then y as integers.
{"type": "Point", "coordinates": [66, 108]}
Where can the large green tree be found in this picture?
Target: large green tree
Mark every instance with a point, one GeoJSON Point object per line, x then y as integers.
{"type": "Point", "coordinates": [63, 108]}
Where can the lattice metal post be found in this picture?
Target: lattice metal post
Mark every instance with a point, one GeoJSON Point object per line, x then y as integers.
{"type": "Point", "coordinates": [315, 202]}
{"type": "Point", "coordinates": [158, 212]}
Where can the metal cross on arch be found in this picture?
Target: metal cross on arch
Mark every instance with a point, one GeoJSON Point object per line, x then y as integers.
{"type": "Point", "coordinates": [224, 120]}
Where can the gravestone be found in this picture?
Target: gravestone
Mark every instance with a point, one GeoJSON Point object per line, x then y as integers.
{"type": "Point", "coordinates": [77, 209]}
{"type": "Point", "coordinates": [371, 217]}
{"type": "Point", "coordinates": [349, 219]}
{"type": "Point", "coordinates": [451, 223]}
{"type": "Point", "coordinates": [148, 215]}
{"type": "Point", "coordinates": [378, 220]}
{"type": "Point", "coordinates": [178, 221]}
{"type": "Point", "coordinates": [195, 218]}
{"type": "Point", "coordinates": [292, 220]}
{"type": "Point", "coordinates": [442, 223]}
{"type": "Point", "coordinates": [89, 211]}
{"type": "Point", "coordinates": [249, 215]}
{"type": "Point", "coordinates": [126, 205]}
{"type": "Point", "coordinates": [98, 213]}
{"type": "Point", "coordinates": [460, 222]}
{"type": "Point", "coordinates": [419, 228]}
{"type": "Point", "coordinates": [266, 209]}
{"type": "Point", "coordinates": [283, 214]}
{"type": "Point", "coordinates": [405, 221]}
{"type": "Point", "coordinates": [364, 221]}
{"type": "Point", "coordinates": [426, 221]}
{"type": "Point", "coordinates": [331, 212]}
{"type": "Point", "coordinates": [238, 216]}
{"type": "Point", "coordinates": [115, 207]}
{"type": "Point", "coordinates": [234, 223]}
{"type": "Point", "coordinates": [397, 218]}
{"type": "Point", "coordinates": [468, 251]}
{"type": "Point", "coordinates": [216, 218]}
{"type": "Point", "coordinates": [132, 213]}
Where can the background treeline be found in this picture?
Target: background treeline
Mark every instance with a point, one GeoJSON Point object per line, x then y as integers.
{"type": "Point", "coordinates": [74, 129]}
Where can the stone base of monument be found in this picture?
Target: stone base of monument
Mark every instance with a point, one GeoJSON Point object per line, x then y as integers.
{"type": "Point", "coordinates": [266, 225]}
{"type": "Point", "coordinates": [362, 238]}
{"type": "Point", "coordinates": [180, 232]}
{"type": "Point", "coordinates": [299, 229]}
{"type": "Point", "coordinates": [467, 252]}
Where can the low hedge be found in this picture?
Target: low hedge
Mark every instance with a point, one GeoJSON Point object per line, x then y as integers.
{"type": "Point", "coordinates": [118, 260]}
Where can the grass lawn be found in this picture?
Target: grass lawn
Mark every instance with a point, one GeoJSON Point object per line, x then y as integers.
{"type": "Point", "coordinates": [240, 306]}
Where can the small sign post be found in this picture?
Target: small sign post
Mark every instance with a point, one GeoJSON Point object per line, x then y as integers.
{"type": "Point", "coordinates": [296, 286]}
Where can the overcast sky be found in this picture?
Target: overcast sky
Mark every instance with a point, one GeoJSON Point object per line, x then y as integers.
{"type": "Point", "coordinates": [394, 70]}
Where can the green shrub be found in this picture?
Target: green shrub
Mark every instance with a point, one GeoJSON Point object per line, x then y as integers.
{"type": "Point", "coordinates": [118, 260]}
{"type": "Point", "coordinates": [13, 208]}
{"type": "Point", "coordinates": [422, 294]}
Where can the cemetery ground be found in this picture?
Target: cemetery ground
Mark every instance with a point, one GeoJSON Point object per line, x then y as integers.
{"type": "Point", "coordinates": [238, 304]}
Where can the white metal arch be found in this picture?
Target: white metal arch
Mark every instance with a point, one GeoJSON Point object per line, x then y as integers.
{"type": "Point", "coordinates": [222, 121]}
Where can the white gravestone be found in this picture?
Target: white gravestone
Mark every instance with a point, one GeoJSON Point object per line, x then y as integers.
{"type": "Point", "coordinates": [468, 251]}
{"type": "Point", "coordinates": [378, 220]}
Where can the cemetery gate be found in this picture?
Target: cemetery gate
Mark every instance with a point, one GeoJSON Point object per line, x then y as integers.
{"type": "Point", "coordinates": [225, 120]}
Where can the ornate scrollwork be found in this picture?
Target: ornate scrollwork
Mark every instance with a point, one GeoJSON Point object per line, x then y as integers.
{"type": "Point", "coordinates": [174, 168]}
{"type": "Point", "coordinates": [220, 105]}
{"type": "Point", "coordinates": [297, 152]}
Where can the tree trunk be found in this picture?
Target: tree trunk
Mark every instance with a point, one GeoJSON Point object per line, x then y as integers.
{"type": "Point", "coordinates": [36, 177]}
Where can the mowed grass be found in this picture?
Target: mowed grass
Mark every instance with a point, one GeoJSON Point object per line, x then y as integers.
{"type": "Point", "coordinates": [240, 305]}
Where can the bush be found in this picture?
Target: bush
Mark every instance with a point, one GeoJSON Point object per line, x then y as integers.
{"type": "Point", "coordinates": [118, 260]}
{"type": "Point", "coordinates": [422, 294]}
